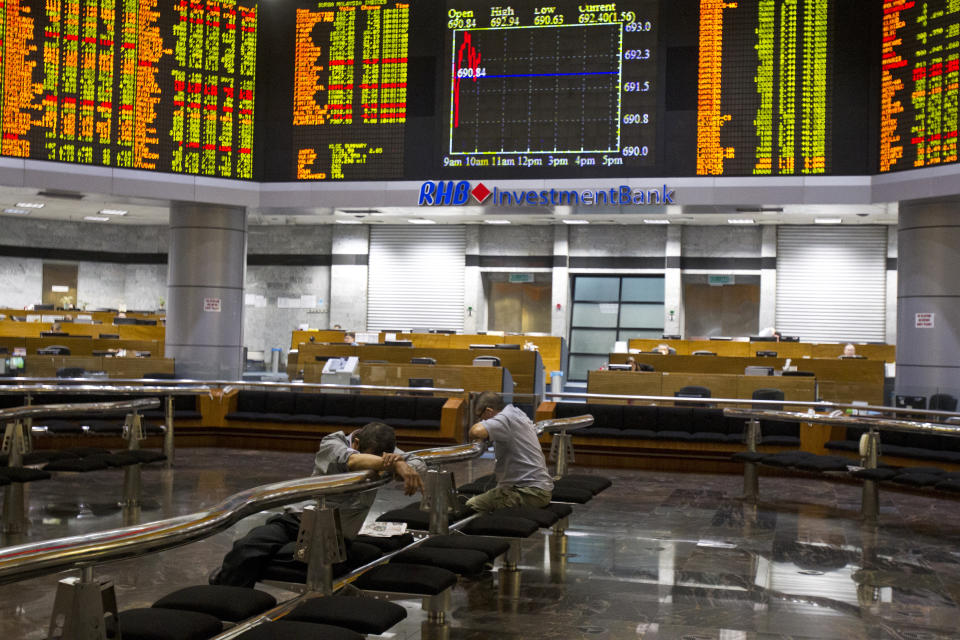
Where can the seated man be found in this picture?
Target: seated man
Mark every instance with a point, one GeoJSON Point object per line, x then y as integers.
{"type": "Point", "coordinates": [849, 351]}
{"type": "Point", "coordinates": [373, 447]}
{"type": "Point", "coordinates": [521, 469]}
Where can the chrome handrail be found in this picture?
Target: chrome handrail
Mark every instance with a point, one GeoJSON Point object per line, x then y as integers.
{"type": "Point", "coordinates": [560, 425]}
{"type": "Point", "coordinates": [176, 387]}
{"type": "Point", "coordinates": [838, 418]}
{"type": "Point", "coordinates": [51, 556]}
{"type": "Point", "coordinates": [98, 389]}
{"type": "Point", "coordinates": [48, 410]}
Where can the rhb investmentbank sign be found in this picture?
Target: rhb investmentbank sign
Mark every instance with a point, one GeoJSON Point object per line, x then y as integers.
{"type": "Point", "coordinates": [450, 192]}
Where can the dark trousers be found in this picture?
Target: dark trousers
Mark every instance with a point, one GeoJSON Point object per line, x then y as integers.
{"type": "Point", "coordinates": [243, 565]}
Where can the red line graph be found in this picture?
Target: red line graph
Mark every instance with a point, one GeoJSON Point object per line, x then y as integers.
{"type": "Point", "coordinates": [473, 61]}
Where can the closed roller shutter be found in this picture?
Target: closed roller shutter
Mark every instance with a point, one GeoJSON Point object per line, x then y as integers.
{"type": "Point", "coordinates": [416, 277]}
{"type": "Point", "coordinates": [831, 283]}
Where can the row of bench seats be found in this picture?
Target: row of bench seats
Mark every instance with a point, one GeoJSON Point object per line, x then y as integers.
{"type": "Point", "coordinates": [341, 409]}
{"type": "Point", "coordinates": [687, 424]}
{"type": "Point", "coordinates": [931, 448]}
{"type": "Point", "coordinates": [426, 568]}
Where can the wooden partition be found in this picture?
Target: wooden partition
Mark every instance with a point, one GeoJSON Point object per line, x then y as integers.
{"type": "Point", "coordinates": [839, 380]}
{"type": "Point", "coordinates": [721, 385]}
{"type": "Point", "coordinates": [743, 349]}
{"type": "Point", "coordinates": [47, 366]}
{"type": "Point", "coordinates": [13, 329]}
{"type": "Point", "coordinates": [318, 336]}
{"type": "Point", "coordinates": [525, 366]}
{"type": "Point", "coordinates": [83, 346]}
{"type": "Point", "coordinates": [447, 376]}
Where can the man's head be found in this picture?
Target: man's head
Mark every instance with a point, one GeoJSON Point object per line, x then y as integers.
{"type": "Point", "coordinates": [349, 338]}
{"type": "Point", "coordinates": [849, 350]}
{"type": "Point", "coordinates": [488, 404]}
{"type": "Point", "coordinates": [375, 438]}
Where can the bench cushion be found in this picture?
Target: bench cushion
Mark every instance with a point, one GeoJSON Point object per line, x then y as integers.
{"type": "Point", "coordinates": [407, 578]}
{"type": "Point", "coordinates": [363, 615]}
{"type": "Point", "coordinates": [501, 526]}
{"type": "Point", "coordinates": [387, 544]}
{"type": "Point", "coordinates": [492, 547]}
{"type": "Point", "coordinates": [283, 630]}
{"type": "Point", "coordinates": [825, 463]}
{"type": "Point", "coordinates": [78, 465]}
{"type": "Point", "coordinates": [23, 474]}
{"type": "Point", "coordinates": [562, 510]}
{"type": "Point", "coordinates": [460, 561]}
{"type": "Point", "coordinates": [874, 474]}
{"type": "Point", "coordinates": [543, 517]}
{"type": "Point", "coordinates": [570, 493]}
{"type": "Point", "coordinates": [596, 484]}
{"type": "Point", "coordinates": [225, 603]}
{"type": "Point", "coordinates": [165, 624]}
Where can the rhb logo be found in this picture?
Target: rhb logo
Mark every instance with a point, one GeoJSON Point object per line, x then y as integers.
{"type": "Point", "coordinates": [449, 192]}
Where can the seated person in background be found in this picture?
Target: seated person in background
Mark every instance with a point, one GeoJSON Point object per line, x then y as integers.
{"type": "Point", "coordinates": [349, 338]}
{"type": "Point", "coordinates": [849, 350]}
{"type": "Point", "coordinates": [337, 327]}
{"type": "Point", "coordinates": [521, 469]}
{"type": "Point", "coordinates": [770, 332]}
{"type": "Point", "coordinates": [664, 349]}
{"type": "Point", "coordinates": [633, 363]}
{"type": "Point", "coordinates": [371, 447]}
{"type": "Point", "coordinates": [55, 327]}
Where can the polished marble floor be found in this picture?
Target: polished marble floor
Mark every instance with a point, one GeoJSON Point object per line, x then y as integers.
{"type": "Point", "coordinates": [657, 556]}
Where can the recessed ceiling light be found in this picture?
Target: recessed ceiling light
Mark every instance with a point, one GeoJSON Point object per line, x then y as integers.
{"type": "Point", "coordinates": [97, 218]}
{"type": "Point", "coordinates": [420, 221]}
{"type": "Point", "coordinates": [30, 205]}
{"type": "Point", "coordinates": [655, 221]}
{"type": "Point", "coordinates": [17, 212]}
{"type": "Point", "coordinates": [112, 212]}
{"type": "Point", "coordinates": [741, 221]}
{"type": "Point", "coordinates": [828, 220]}
{"type": "Point", "coordinates": [576, 221]}
{"type": "Point", "coordinates": [497, 221]}
{"type": "Point", "coordinates": [349, 222]}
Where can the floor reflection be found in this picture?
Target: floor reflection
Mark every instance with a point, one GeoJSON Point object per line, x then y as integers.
{"type": "Point", "coordinates": [657, 556]}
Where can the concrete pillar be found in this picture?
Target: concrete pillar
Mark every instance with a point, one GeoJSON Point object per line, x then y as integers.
{"type": "Point", "coordinates": [673, 283]}
{"type": "Point", "coordinates": [560, 287]}
{"type": "Point", "coordinates": [928, 240]}
{"type": "Point", "coordinates": [891, 318]}
{"type": "Point", "coordinates": [348, 276]}
{"type": "Point", "coordinates": [768, 277]}
{"type": "Point", "coordinates": [205, 276]}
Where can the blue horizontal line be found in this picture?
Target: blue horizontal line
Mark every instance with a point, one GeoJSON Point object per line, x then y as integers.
{"type": "Point", "coordinates": [544, 75]}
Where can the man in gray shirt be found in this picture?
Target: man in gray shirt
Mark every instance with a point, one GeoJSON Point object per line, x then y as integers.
{"type": "Point", "coordinates": [521, 469]}
{"type": "Point", "coordinates": [373, 447]}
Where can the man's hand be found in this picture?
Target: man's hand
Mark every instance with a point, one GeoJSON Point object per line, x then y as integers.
{"type": "Point", "coordinates": [411, 479]}
{"type": "Point", "coordinates": [390, 459]}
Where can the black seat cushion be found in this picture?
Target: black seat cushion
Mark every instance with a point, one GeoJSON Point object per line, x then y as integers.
{"type": "Point", "coordinates": [501, 526]}
{"type": "Point", "coordinates": [843, 445]}
{"type": "Point", "coordinates": [874, 474]}
{"type": "Point", "coordinates": [23, 474]}
{"type": "Point", "coordinates": [283, 630]}
{"type": "Point", "coordinates": [949, 484]}
{"type": "Point", "coordinates": [825, 463]}
{"type": "Point", "coordinates": [643, 417]}
{"type": "Point", "coordinates": [571, 493]}
{"type": "Point", "coordinates": [309, 404]}
{"type": "Point", "coordinates": [562, 510]}
{"type": "Point", "coordinates": [83, 452]}
{"type": "Point", "coordinates": [226, 603]}
{"type": "Point", "coordinates": [251, 401]}
{"type": "Point", "coordinates": [45, 455]}
{"type": "Point", "coordinates": [918, 479]}
{"type": "Point", "coordinates": [105, 426]}
{"type": "Point", "coordinates": [786, 458]}
{"type": "Point", "coordinates": [407, 578]}
{"type": "Point", "coordinates": [4, 481]}
{"type": "Point", "coordinates": [363, 615]}
{"type": "Point", "coordinates": [492, 547]}
{"type": "Point", "coordinates": [387, 544]}
{"type": "Point", "coordinates": [596, 484]}
{"type": "Point", "coordinates": [781, 441]}
{"type": "Point", "coordinates": [165, 624]}
{"type": "Point", "coordinates": [543, 517]}
{"type": "Point", "coordinates": [78, 465]}
{"type": "Point", "coordinates": [460, 561]}
{"type": "Point", "coordinates": [748, 456]}
{"type": "Point", "coordinates": [146, 456]}
{"type": "Point", "coordinates": [62, 426]}
{"type": "Point", "coordinates": [286, 568]}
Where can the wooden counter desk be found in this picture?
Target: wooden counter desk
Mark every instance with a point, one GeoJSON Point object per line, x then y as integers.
{"type": "Point", "coordinates": [47, 366]}
{"type": "Point", "coordinates": [743, 349]}
{"type": "Point", "coordinates": [448, 376]}
{"type": "Point", "coordinates": [525, 367]}
{"type": "Point", "coordinates": [721, 385]}
{"type": "Point", "coordinates": [14, 329]}
{"type": "Point", "coordinates": [838, 380]}
{"type": "Point", "coordinates": [82, 346]}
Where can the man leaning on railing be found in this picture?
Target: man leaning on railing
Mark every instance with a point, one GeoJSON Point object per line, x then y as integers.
{"type": "Point", "coordinates": [373, 447]}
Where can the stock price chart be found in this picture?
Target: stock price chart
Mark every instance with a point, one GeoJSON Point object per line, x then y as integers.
{"type": "Point", "coordinates": [140, 84]}
{"type": "Point", "coordinates": [564, 85]}
{"type": "Point", "coordinates": [764, 103]}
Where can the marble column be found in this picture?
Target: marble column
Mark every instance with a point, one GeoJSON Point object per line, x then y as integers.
{"type": "Point", "coordinates": [205, 278]}
{"type": "Point", "coordinates": [673, 283]}
{"type": "Point", "coordinates": [560, 279]}
{"type": "Point", "coordinates": [768, 277]}
{"type": "Point", "coordinates": [474, 306]}
{"type": "Point", "coordinates": [928, 297]}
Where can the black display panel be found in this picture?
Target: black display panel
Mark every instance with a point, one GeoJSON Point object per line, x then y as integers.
{"type": "Point", "coordinates": [140, 84]}
{"type": "Point", "coordinates": [920, 83]}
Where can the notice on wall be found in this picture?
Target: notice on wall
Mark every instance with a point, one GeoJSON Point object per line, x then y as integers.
{"type": "Point", "coordinates": [924, 320]}
{"type": "Point", "coordinates": [211, 305]}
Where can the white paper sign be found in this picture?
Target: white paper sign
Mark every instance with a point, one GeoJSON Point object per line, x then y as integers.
{"type": "Point", "coordinates": [211, 305]}
{"type": "Point", "coordinates": [924, 320]}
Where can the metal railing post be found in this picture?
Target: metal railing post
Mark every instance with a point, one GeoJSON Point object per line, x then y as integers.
{"type": "Point", "coordinates": [751, 481]}
{"type": "Point", "coordinates": [81, 606]}
{"type": "Point", "coordinates": [168, 434]}
{"type": "Point", "coordinates": [438, 496]}
{"type": "Point", "coordinates": [320, 545]}
{"type": "Point", "coordinates": [870, 450]}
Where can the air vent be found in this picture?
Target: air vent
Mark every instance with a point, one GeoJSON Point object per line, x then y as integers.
{"type": "Point", "coordinates": [359, 211]}
{"type": "Point", "coordinates": [62, 195]}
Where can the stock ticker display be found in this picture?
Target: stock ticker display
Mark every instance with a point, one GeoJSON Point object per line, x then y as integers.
{"type": "Point", "coordinates": [344, 90]}
{"type": "Point", "coordinates": [140, 84]}
{"type": "Point", "coordinates": [919, 83]}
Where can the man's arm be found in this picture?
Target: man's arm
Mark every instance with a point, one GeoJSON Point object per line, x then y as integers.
{"type": "Point", "coordinates": [479, 432]}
